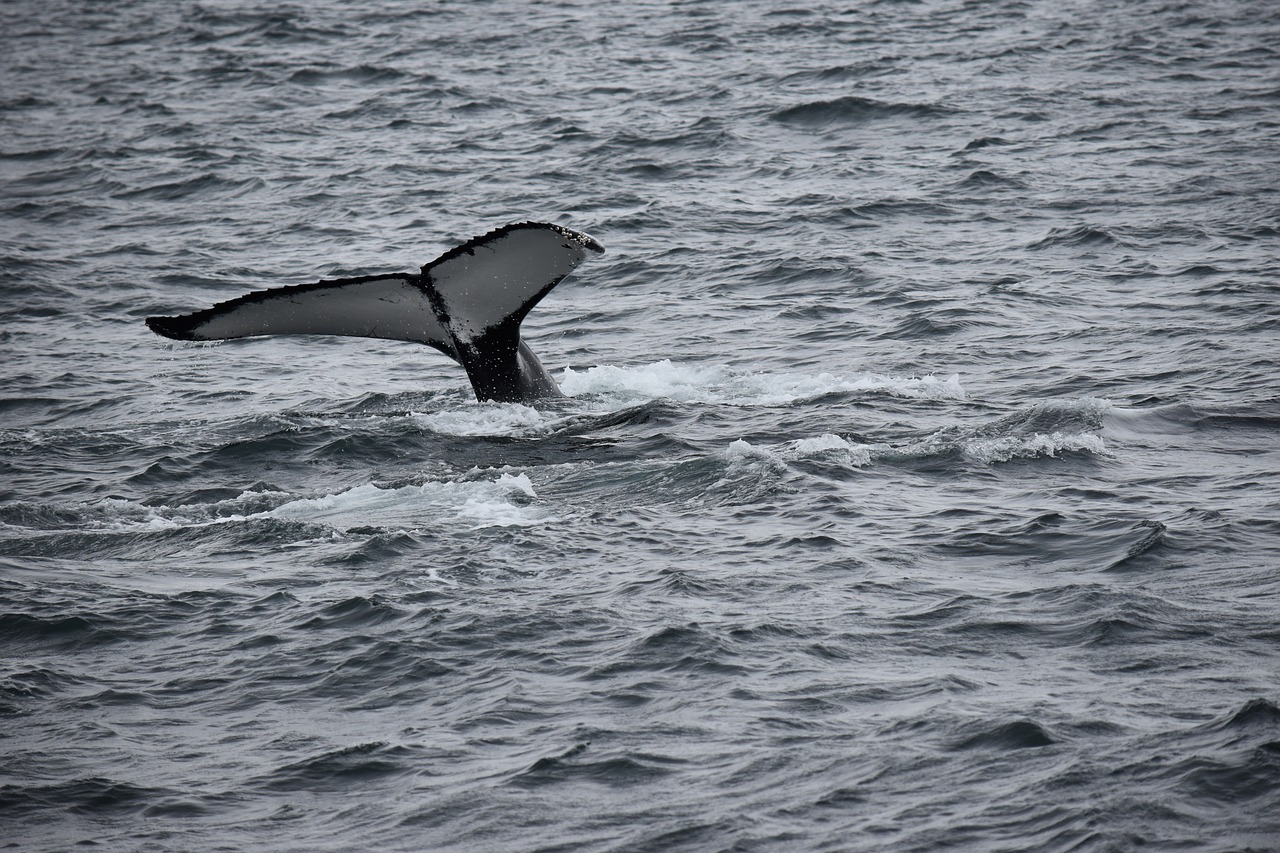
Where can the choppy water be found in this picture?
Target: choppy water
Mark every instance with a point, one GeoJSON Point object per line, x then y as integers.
{"type": "Point", "coordinates": [918, 489]}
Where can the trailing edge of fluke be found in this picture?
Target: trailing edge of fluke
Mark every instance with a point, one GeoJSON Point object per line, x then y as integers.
{"type": "Point", "coordinates": [468, 303]}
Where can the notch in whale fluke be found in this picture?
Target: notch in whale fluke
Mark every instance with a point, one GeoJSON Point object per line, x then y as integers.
{"type": "Point", "coordinates": [468, 303]}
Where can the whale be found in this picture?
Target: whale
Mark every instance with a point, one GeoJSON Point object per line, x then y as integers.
{"type": "Point", "coordinates": [468, 304]}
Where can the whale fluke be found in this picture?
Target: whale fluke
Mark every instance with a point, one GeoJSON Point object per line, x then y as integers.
{"type": "Point", "coordinates": [468, 303]}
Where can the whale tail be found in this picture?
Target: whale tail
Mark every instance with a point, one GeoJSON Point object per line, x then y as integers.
{"type": "Point", "coordinates": [468, 304]}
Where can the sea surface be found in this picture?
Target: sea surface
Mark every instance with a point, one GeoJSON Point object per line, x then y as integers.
{"type": "Point", "coordinates": [917, 487]}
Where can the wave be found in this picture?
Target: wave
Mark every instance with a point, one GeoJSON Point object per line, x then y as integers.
{"type": "Point", "coordinates": [1004, 737]}
{"type": "Point", "coordinates": [886, 208]}
{"type": "Point", "coordinates": [851, 110]}
{"type": "Point", "coordinates": [116, 527]}
{"type": "Point", "coordinates": [339, 769]}
{"type": "Point", "coordinates": [1255, 716]}
{"type": "Point", "coordinates": [609, 395]}
{"type": "Point", "coordinates": [20, 630]}
{"type": "Point", "coordinates": [1083, 235]}
{"type": "Point", "coordinates": [713, 384]}
{"type": "Point", "coordinates": [95, 795]}
{"type": "Point", "coordinates": [986, 179]}
{"type": "Point", "coordinates": [503, 502]}
{"type": "Point", "coordinates": [207, 186]}
{"type": "Point", "coordinates": [1246, 421]}
{"type": "Point", "coordinates": [985, 142]}
{"type": "Point", "coordinates": [844, 73]}
{"type": "Point", "coordinates": [1007, 448]}
{"type": "Point", "coordinates": [829, 453]}
{"type": "Point", "coordinates": [21, 685]}
{"type": "Point", "coordinates": [826, 448]}
{"type": "Point", "coordinates": [643, 440]}
{"type": "Point", "coordinates": [575, 764]}
{"type": "Point", "coordinates": [361, 74]}
{"type": "Point", "coordinates": [1040, 430]}
{"type": "Point", "coordinates": [488, 419]}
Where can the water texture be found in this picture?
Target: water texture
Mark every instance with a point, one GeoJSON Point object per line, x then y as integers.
{"type": "Point", "coordinates": [917, 488]}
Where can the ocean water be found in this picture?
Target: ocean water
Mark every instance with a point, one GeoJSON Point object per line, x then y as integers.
{"type": "Point", "coordinates": [917, 487]}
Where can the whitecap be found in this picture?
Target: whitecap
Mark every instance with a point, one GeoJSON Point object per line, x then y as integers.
{"type": "Point", "coordinates": [742, 449]}
{"type": "Point", "coordinates": [486, 503]}
{"type": "Point", "coordinates": [1005, 448]}
{"type": "Point", "coordinates": [831, 446]}
{"type": "Point", "coordinates": [713, 384]}
{"type": "Point", "coordinates": [509, 419]}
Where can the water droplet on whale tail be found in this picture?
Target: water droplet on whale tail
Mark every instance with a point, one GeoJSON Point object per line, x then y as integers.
{"type": "Point", "coordinates": [468, 303]}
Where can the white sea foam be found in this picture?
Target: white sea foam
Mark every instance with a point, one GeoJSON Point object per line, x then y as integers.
{"type": "Point", "coordinates": [488, 419]}
{"type": "Point", "coordinates": [478, 501]}
{"type": "Point", "coordinates": [662, 379]}
{"type": "Point", "coordinates": [486, 503]}
{"type": "Point", "coordinates": [118, 514]}
{"type": "Point", "coordinates": [713, 384]}
{"type": "Point", "coordinates": [1005, 448]}
{"type": "Point", "coordinates": [1043, 429]}
{"type": "Point", "coordinates": [830, 446]}
{"type": "Point", "coordinates": [988, 449]}
{"type": "Point", "coordinates": [743, 449]}
{"type": "Point", "coordinates": [825, 446]}
{"type": "Point", "coordinates": [826, 441]}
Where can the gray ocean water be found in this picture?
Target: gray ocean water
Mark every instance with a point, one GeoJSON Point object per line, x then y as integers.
{"type": "Point", "coordinates": [918, 487]}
